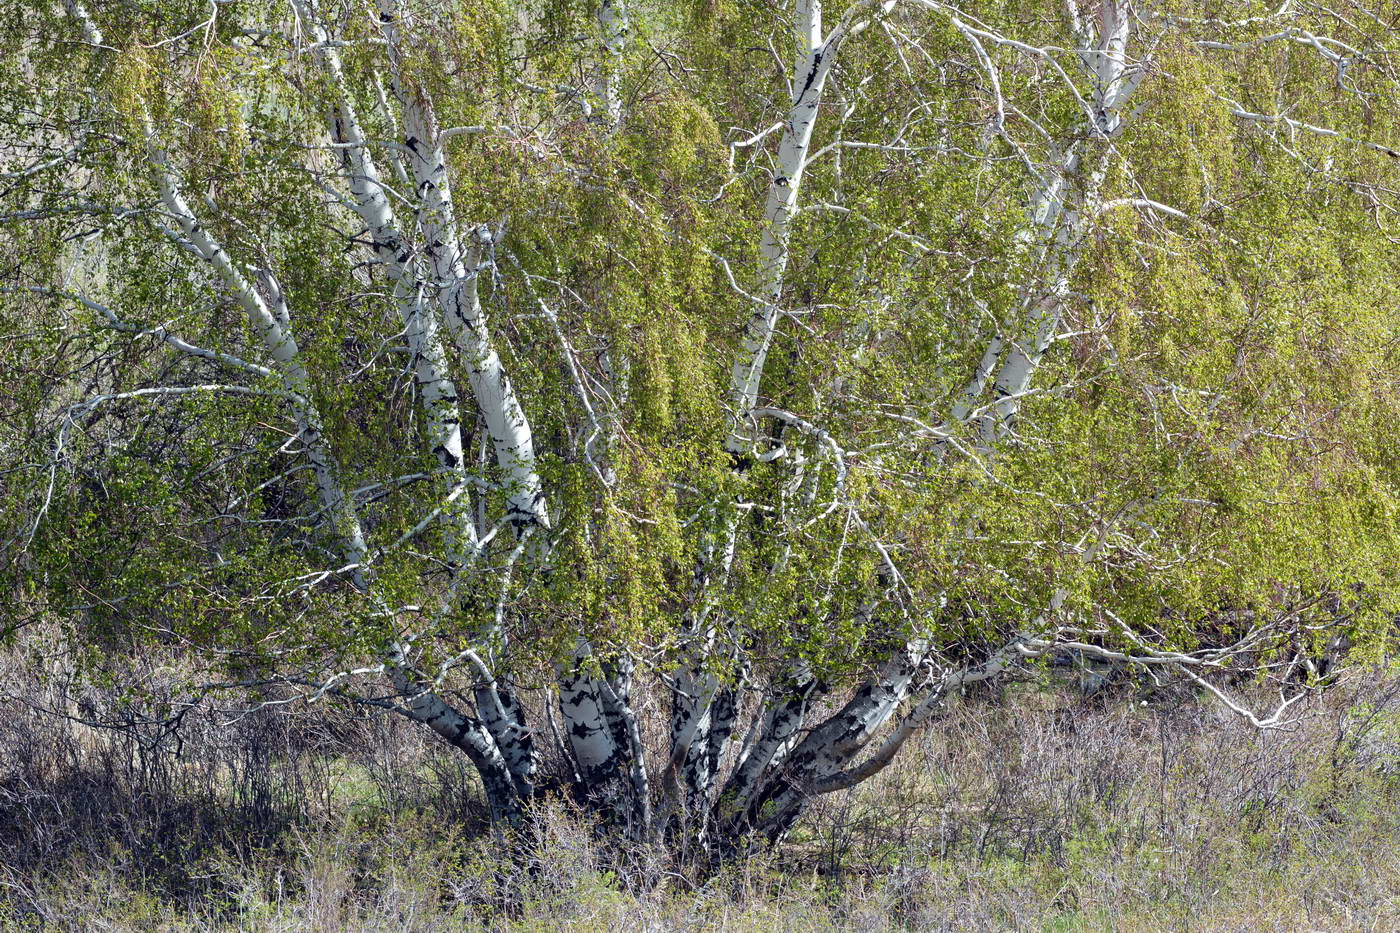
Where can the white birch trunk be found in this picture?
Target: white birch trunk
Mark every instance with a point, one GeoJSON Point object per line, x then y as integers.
{"type": "Point", "coordinates": [813, 64]}
{"type": "Point", "coordinates": [693, 746]}
{"type": "Point", "coordinates": [270, 320]}
{"type": "Point", "coordinates": [437, 394]}
{"type": "Point", "coordinates": [777, 735]}
{"type": "Point", "coordinates": [456, 270]}
{"type": "Point", "coordinates": [615, 27]}
{"type": "Point", "coordinates": [503, 790]}
{"type": "Point", "coordinates": [589, 734]}
{"type": "Point", "coordinates": [616, 693]}
{"type": "Point", "coordinates": [828, 749]}
{"type": "Point", "coordinates": [1059, 213]}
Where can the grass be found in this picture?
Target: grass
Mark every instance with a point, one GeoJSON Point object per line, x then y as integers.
{"type": "Point", "coordinates": [1032, 811]}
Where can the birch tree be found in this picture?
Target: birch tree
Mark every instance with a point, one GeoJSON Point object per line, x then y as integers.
{"type": "Point", "coordinates": [533, 372]}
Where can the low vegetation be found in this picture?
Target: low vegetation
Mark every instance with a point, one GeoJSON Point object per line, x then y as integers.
{"type": "Point", "coordinates": [1130, 810]}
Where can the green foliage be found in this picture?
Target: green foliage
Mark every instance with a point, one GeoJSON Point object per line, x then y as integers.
{"type": "Point", "coordinates": [1213, 437]}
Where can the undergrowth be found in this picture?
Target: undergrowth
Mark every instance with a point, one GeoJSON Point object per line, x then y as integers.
{"type": "Point", "coordinates": [1032, 810]}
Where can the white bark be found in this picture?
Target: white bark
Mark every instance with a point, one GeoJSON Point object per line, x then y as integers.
{"type": "Point", "coordinates": [615, 690]}
{"type": "Point", "coordinates": [270, 320]}
{"type": "Point", "coordinates": [615, 27]}
{"type": "Point", "coordinates": [1063, 204]}
{"type": "Point", "coordinates": [695, 750]}
{"type": "Point", "coordinates": [500, 711]}
{"type": "Point", "coordinates": [591, 738]}
{"type": "Point", "coordinates": [782, 762]}
{"type": "Point", "coordinates": [695, 688]}
{"type": "Point", "coordinates": [78, 12]}
{"type": "Point", "coordinates": [456, 270]}
{"type": "Point", "coordinates": [437, 394]}
{"type": "Point", "coordinates": [777, 734]}
{"type": "Point", "coordinates": [810, 70]}
{"type": "Point", "coordinates": [704, 760]}
{"type": "Point", "coordinates": [815, 57]}
{"type": "Point", "coordinates": [460, 731]}
{"type": "Point", "coordinates": [454, 279]}
{"type": "Point", "coordinates": [948, 685]}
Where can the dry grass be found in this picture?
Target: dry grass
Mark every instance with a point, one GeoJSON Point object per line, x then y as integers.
{"type": "Point", "coordinates": [1032, 811]}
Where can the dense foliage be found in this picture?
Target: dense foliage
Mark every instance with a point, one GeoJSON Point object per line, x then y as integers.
{"type": "Point", "coordinates": [1062, 326]}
